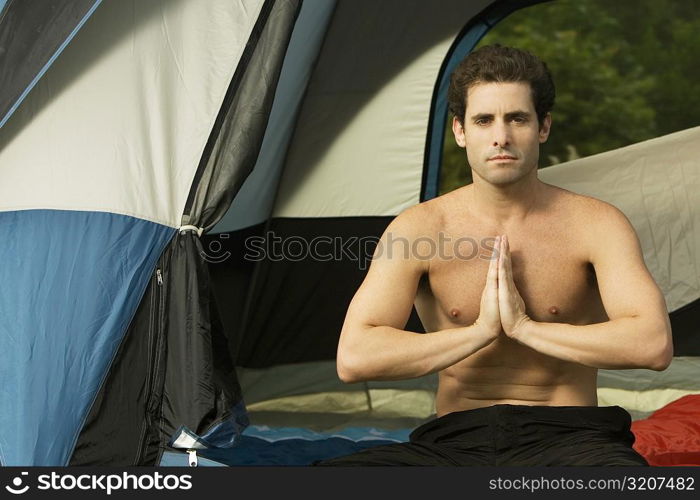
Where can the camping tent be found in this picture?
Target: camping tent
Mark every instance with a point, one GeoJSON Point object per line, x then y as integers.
{"type": "Point", "coordinates": [133, 299]}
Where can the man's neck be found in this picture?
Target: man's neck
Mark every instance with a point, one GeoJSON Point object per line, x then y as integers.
{"type": "Point", "coordinates": [503, 204]}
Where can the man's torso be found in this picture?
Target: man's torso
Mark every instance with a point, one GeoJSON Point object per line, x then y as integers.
{"type": "Point", "coordinates": [555, 279]}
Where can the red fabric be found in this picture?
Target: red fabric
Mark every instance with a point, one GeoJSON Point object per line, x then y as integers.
{"type": "Point", "coordinates": [671, 435]}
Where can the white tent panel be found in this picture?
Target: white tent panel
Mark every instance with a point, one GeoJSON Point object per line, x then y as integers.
{"type": "Point", "coordinates": [656, 184]}
{"type": "Point", "coordinates": [386, 174]}
{"type": "Point", "coordinates": [360, 139]}
{"type": "Point", "coordinates": [119, 123]}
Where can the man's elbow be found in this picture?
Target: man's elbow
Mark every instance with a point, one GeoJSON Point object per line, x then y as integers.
{"type": "Point", "coordinates": [660, 353]}
{"type": "Point", "coordinates": [662, 360]}
{"type": "Point", "coordinates": [345, 373]}
{"type": "Point", "coordinates": [349, 371]}
{"type": "Point", "coordinates": [348, 376]}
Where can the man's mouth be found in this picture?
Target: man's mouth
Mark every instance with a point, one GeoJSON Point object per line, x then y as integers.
{"type": "Point", "coordinates": [502, 157]}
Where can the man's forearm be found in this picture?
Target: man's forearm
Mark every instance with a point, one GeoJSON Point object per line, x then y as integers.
{"type": "Point", "coordinates": [386, 353]}
{"type": "Point", "coordinates": [631, 342]}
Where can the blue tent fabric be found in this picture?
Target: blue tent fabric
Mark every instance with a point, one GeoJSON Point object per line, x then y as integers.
{"type": "Point", "coordinates": [291, 452]}
{"type": "Point", "coordinates": [71, 283]}
{"type": "Point", "coordinates": [252, 451]}
{"type": "Point", "coordinates": [293, 446]}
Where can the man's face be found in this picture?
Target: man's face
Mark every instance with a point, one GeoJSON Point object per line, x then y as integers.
{"type": "Point", "coordinates": [501, 132]}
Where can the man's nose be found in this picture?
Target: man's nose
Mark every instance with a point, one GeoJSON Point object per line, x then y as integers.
{"type": "Point", "coordinates": [501, 135]}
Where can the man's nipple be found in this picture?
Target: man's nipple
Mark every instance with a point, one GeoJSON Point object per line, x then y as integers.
{"type": "Point", "coordinates": [454, 312]}
{"type": "Point", "coordinates": [553, 310]}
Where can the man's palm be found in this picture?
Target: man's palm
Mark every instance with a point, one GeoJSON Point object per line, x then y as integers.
{"type": "Point", "coordinates": [489, 316]}
{"type": "Point", "coordinates": [511, 305]}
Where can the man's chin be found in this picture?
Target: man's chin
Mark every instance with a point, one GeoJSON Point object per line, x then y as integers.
{"type": "Point", "coordinates": [503, 179]}
{"type": "Point", "coordinates": [502, 176]}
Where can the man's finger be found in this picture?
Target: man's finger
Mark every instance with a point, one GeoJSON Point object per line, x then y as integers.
{"type": "Point", "coordinates": [509, 260]}
{"type": "Point", "coordinates": [502, 269]}
{"type": "Point", "coordinates": [507, 277]}
{"type": "Point", "coordinates": [492, 276]}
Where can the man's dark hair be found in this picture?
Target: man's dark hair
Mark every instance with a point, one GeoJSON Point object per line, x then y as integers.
{"type": "Point", "coordinates": [495, 63]}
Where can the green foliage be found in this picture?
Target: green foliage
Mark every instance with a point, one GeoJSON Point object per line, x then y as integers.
{"type": "Point", "coordinates": [625, 71]}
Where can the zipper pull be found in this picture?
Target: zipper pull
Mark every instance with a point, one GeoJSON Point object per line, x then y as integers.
{"type": "Point", "coordinates": [192, 458]}
{"type": "Point", "coordinates": [159, 277]}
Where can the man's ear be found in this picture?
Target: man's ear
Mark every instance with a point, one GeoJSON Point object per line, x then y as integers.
{"type": "Point", "coordinates": [545, 128]}
{"type": "Point", "coordinates": [458, 131]}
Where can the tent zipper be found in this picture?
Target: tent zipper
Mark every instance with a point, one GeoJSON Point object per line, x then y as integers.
{"type": "Point", "coordinates": [155, 342]}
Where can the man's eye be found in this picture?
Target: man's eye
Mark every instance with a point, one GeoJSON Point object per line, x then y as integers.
{"type": "Point", "coordinates": [519, 119]}
{"type": "Point", "coordinates": [481, 121]}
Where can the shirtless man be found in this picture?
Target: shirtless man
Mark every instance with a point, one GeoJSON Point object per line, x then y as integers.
{"type": "Point", "coordinates": [517, 333]}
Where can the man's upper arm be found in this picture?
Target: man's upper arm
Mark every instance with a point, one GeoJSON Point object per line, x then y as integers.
{"type": "Point", "coordinates": [386, 296]}
{"type": "Point", "coordinates": [626, 286]}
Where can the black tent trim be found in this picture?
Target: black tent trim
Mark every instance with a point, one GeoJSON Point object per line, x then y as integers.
{"type": "Point", "coordinates": [206, 398]}
{"type": "Point", "coordinates": [228, 98]}
{"type": "Point", "coordinates": [57, 23]}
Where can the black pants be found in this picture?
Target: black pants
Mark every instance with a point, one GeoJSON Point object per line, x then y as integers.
{"type": "Point", "coordinates": [513, 435]}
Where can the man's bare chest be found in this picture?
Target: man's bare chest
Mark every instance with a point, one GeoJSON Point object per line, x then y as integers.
{"type": "Point", "coordinates": [550, 270]}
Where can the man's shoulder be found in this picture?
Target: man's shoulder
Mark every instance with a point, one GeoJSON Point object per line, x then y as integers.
{"type": "Point", "coordinates": [424, 219]}
{"type": "Point", "coordinates": [593, 221]}
{"type": "Point", "coordinates": [584, 207]}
